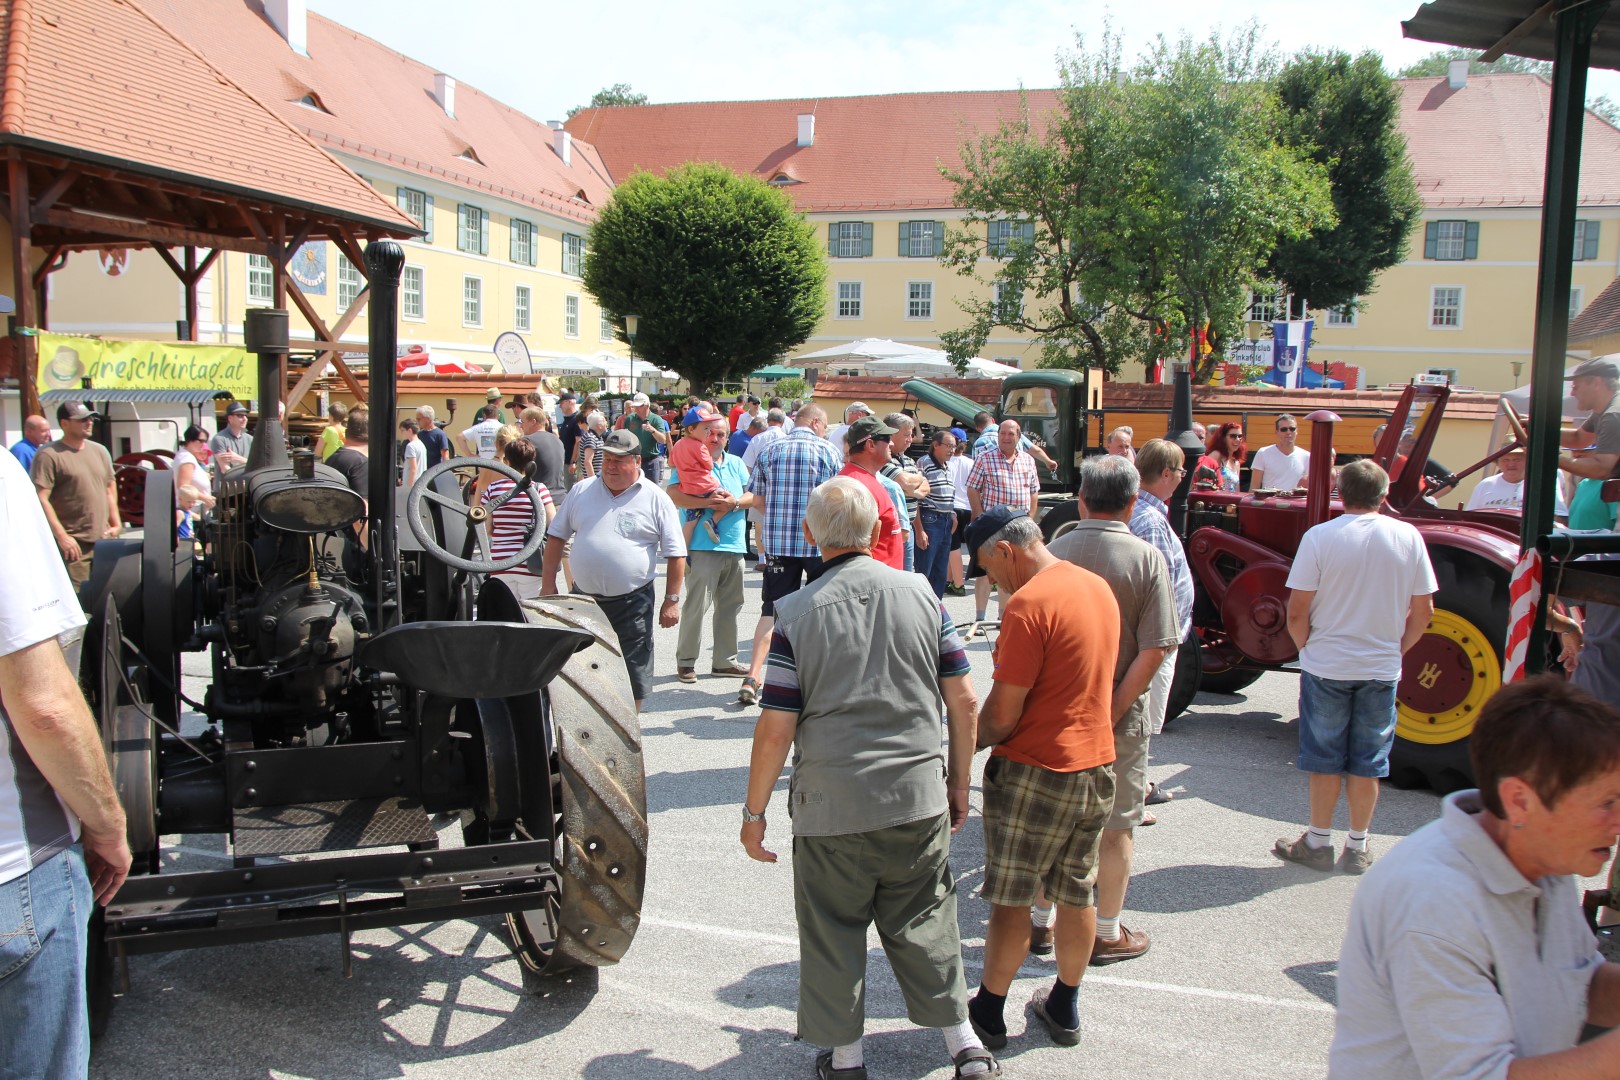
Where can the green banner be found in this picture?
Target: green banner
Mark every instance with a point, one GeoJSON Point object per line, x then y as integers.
{"type": "Point", "coordinates": [66, 361]}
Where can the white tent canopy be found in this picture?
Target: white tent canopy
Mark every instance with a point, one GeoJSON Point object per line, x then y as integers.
{"type": "Point", "coordinates": [934, 362]}
{"type": "Point", "coordinates": [861, 350]}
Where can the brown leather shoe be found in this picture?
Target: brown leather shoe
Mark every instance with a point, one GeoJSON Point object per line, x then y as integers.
{"type": "Point", "coordinates": [1298, 851]}
{"type": "Point", "coordinates": [686, 674]}
{"type": "Point", "coordinates": [1040, 940]}
{"type": "Point", "coordinates": [735, 670]}
{"type": "Point", "coordinates": [1128, 946]}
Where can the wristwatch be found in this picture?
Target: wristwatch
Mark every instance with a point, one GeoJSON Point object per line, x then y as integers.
{"type": "Point", "coordinates": [672, 598]}
{"type": "Point", "coordinates": [749, 817]}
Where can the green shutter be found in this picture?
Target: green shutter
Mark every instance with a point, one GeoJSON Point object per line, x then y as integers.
{"type": "Point", "coordinates": [483, 232]}
{"type": "Point", "coordinates": [511, 239]}
{"type": "Point", "coordinates": [866, 239]}
{"type": "Point", "coordinates": [1026, 233]}
{"type": "Point", "coordinates": [905, 239]}
{"type": "Point", "coordinates": [939, 239]}
{"type": "Point", "coordinates": [1471, 243]}
{"type": "Point", "coordinates": [1431, 239]}
{"type": "Point", "coordinates": [427, 216]}
{"type": "Point", "coordinates": [1589, 249]}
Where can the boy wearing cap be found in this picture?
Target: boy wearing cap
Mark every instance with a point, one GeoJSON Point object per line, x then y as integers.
{"type": "Point", "coordinates": [695, 465]}
{"type": "Point", "coordinates": [653, 434]}
{"type": "Point", "coordinates": [229, 448]}
{"type": "Point", "coordinates": [74, 479]}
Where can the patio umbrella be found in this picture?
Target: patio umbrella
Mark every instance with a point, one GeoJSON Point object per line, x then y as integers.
{"type": "Point", "coordinates": [861, 349]}
{"type": "Point", "coordinates": [429, 363]}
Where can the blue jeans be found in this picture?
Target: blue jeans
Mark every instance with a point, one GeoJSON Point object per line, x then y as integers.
{"type": "Point", "coordinates": [44, 935]}
{"type": "Point", "coordinates": [1345, 725]}
{"type": "Point", "coordinates": [934, 561]}
{"type": "Point", "coordinates": [911, 553]}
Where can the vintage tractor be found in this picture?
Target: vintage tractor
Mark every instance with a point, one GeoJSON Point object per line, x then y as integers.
{"type": "Point", "coordinates": [368, 677]}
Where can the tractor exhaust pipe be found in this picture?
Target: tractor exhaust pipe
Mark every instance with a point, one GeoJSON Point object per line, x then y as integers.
{"type": "Point", "coordinates": [385, 259]}
{"type": "Point", "coordinates": [1181, 433]}
{"type": "Point", "coordinates": [264, 333]}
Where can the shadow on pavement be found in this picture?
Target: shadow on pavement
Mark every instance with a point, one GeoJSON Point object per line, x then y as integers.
{"type": "Point", "coordinates": [773, 1053]}
{"type": "Point", "coordinates": [1320, 978]}
{"type": "Point", "coordinates": [1198, 886]}
{"type": "Point", "coordinates": [702, 787]}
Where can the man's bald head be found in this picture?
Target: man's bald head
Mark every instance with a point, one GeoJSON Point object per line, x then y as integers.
{"type": "Point", "coordinates": [37, 430]}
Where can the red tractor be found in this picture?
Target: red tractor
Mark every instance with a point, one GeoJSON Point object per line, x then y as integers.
{"type": "Point", "coordinates": [1240, 546]}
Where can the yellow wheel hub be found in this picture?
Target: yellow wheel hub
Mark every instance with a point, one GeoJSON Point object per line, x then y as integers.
{"type": "Point", "coordinates": [1445, 680]}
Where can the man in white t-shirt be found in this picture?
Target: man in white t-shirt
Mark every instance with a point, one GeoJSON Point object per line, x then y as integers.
{"type": "Point", "coordinates": [1284, 466]}
{"type": "Point", "coordinates": [62, 830]}
{"type": "Point", "coordinates": [479, 440]}
{"type": "Point", "coordinates": [1362, 593]}
{"type": "Point", "coordinates": [854, 412]}
{"type": "Point", "coordinates": [1505, 490]}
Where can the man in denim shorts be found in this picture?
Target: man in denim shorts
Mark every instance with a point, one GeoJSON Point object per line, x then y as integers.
{"type": "Point", "coordinates": [1362, 592]}
{"type": "Point", "coordinates": [1049, 785]}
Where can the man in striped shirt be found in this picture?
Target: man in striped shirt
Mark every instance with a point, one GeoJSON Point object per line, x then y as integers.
{"type": "Point", "coordinates": [936, 516]}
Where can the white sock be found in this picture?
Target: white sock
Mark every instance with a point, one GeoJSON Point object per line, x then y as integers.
{"type": "Point", "coordinates": [1318, 838]}
{"type": "Point", "coordinates": [959, 1037]}
{"type": "Point", "coordinates": [1042, 916]}
{"type": "Point", "coordinates": [848, 1057]}
{"type": "Point", "coordinates": [1357, 841]}
{"type": "Point", "coordinates": [1108, 929]}
{"type": "Point", "coordinates": [978, 616]}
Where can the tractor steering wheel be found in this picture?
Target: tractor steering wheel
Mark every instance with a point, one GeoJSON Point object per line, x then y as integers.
{"type": "Point", "coordinates": [475, 515]}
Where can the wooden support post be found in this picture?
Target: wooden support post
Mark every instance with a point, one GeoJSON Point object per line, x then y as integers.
{"type": "Point", "coordinates": [23, 293]}
{"type": "Point", "coordinates": [190, 280]}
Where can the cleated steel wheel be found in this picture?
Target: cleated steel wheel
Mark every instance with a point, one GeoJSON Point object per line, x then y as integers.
{"type": "Point", "coordinates": [598, 794]}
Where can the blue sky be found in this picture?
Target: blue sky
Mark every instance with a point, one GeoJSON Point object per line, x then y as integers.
{"type": "Point", "coordinates": [533, 58]}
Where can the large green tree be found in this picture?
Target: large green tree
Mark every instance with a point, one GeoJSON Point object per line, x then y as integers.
{"type": "Point", "coordinates": [723, 273]}
{"type": "Point", "coordinates": [1344, 113]}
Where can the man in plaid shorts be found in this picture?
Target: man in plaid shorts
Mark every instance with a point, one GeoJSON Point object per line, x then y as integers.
{"type": "Point", "coordinates": [1049, 784]}
{"type": "Point", "coordinates": [784, 476]}
{"type": "Point", "coordinates": [1003, 476]}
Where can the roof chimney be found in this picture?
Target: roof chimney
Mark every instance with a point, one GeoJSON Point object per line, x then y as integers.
{"type": "Point", "coordinates": [1457, 74]}
{"type": "Point", "coordinates": [444, 91]}
{"type": "Point", "coordinates": [561, 141]}
{"type": "Point", "coordinates": [807, 129]}
{"type": "Point", "coordinates": [291, 20]}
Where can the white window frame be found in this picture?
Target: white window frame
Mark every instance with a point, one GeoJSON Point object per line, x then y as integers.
{"type": "Point", "coordinates": [525, 229]}
{"type": "Point", "coordinates": [416, 203]}
{"type": "Point", "coordinates": [858, 300]}
{"type": "Point", "coordinates": [1262, 307]}
{"type": "Point", "coordinates": [1337, 316]}
{"type": "Point", "coordinates": [471, 221]}
{"type": "Point", "coordinates": [1580, 238]}
{"type": "Point", "coordinates": [1004, 312]}
{"type": "Point", "coordinates": [261, 280]}
{"type": "Point", "coordinates": [573, 257]}
{"type": "Point", "coordinates": [919, 304]}
{"type": "Point", "coordinates": [405, 293]}
{"type": "Point", "coordinates": [349, 283]}
{"type": "Point", "coordinates": [1577, 296]}
{"type": "Point", "coordinates": [571, 315]}
{"type": "Point", "coordinates": [523, 308]}
{"type": "Point", "coordinates": [472, 315]}
{"type": "Point", "coordinates": [1451, 248]}
{"type": "Point", "coordinates": [1434, 299]}
{"type": "Point", "coordinates": [922, 241]}
{"type": "Point", "coordinates": [851, 240]}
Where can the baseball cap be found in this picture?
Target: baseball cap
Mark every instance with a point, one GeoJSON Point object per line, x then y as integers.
{"type": "Point", "coordinates": [638, 400]}
{"type": "Point", "coordinates": [621, 443]}
{"type": "Point", "coordinates": [75, 410]}
{"type": "Point", "coordinates": [492, 394]}
{"type": "Point", "coordinates": [698, 414]}
{"type": "Point", "coordinates": [866, 427]}
{"type": "Point", "coordinates": [852, 406]}
{"type": "Point", "coordinates": [960, 433]}
{"type": "Point", "coordinates": [1601, 366]}
{"type": "Point", "coordinates": [236, 408]}
{"type": "Point", "coordinates": [983, 528]}
{"type": "Point", "coordinates": [568, 395]}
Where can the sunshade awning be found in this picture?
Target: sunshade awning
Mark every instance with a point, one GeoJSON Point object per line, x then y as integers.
{"type": "Point", "coordinates": [1531, 25]}
{"type": "Point", "coordinates": [137, 397]}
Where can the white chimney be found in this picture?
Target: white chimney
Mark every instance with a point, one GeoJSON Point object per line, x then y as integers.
{"type": "Point", "coordinates": [291, 20]}
{"type": "Point", "coordinates": [444, 90]}
{"type": "Point", "coordinates": [807, 129]}
{"type": "Point", "coordinates": [561, 141]}
{"type": "Point", "coordinates": [1457, 74]}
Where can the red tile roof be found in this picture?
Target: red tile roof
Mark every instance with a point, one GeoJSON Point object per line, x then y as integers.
{"type": "Point", "coordinates": [1600, 318]}
{"type": "Point", "coordinates": [1483, 145]}
{"type": "Point", "coordinates": [104, 80]}
{"type": "Point", "coordinates": [380, 104]}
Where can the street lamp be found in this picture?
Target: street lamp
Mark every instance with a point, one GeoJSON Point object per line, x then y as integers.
{"type": "Point", "coordinates": [630, 322]}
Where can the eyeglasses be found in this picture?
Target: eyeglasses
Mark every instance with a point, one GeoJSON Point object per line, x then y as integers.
{"type": "Point", "coordinates": [1287, 430]}
{"type": "Point", "coordinates": [1234, 434]}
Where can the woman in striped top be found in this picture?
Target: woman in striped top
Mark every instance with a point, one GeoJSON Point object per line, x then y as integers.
{"type": "Point", "coordinates": [512, 523]}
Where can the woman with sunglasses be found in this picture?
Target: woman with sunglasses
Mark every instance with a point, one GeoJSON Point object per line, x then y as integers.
{"type": "Point", "coordinates": [1223, 463]}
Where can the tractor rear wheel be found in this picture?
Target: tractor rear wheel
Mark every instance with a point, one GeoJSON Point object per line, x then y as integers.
{"type": "Point", "coordinates": [1451, 672]}
{"type": "Point", "coordinates": [1232, 680]}
{"type": "Point", "coordinates": [1186, 682]}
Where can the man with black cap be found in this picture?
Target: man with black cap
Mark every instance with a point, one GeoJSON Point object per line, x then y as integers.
{"type": "Point", "coordinates": [229, 449]}
{"type": "Point", "coordinates": [74, 478]}
{"type": "Point", "coordinates": [1049, 783]}
{"type": "Point", "coordinates": [622, 521]}
{"type": "Point", "coordinates": [1595, 385]}
{"type": "Point", "coordinates": [866, 452]}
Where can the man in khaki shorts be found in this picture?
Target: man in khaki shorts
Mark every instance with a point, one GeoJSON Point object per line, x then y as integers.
{"type": "Point", "coordinates": [1049, 785]}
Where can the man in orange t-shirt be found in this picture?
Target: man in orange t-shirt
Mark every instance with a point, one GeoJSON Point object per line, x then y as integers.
{"type": "Point", "coordinates": [1049, 785]}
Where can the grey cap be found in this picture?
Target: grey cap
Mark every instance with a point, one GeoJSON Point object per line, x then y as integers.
{"type": "Point", "coordinates": [1601, 366]}
{"type": "Point", "coordinates": [621, 443]}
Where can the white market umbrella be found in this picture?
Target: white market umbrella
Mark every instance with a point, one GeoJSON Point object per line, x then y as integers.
{"type": "Point", "coordinates": [861, 349]}
{"type": "Point", "coordinates": [569, 365]}
{"type": "Point", "coordinates": [981, 368]}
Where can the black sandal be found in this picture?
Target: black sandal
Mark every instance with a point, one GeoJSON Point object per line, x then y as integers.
{"type": "Point", "coordinates": [825, 1070]}
{"type": "Point", "coordinates": [968, 1056]}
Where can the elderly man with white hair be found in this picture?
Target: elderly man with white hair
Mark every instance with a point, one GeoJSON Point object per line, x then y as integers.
{"type": "Point", "coordinates": [852, 413]}
{"type": "Point", "coordinates": [590, 445]}
{"type": "Point", "coordinates": [862, 660]}
{"type": "Point", "coordinates": [431, 436]}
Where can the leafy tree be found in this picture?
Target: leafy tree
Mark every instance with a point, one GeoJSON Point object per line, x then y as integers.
{"type": "Point", "coordinates": [725, 275]}
{"type": "Point", "coordinates": [615, 95]}
{"type": "Point", "coordinates": [1344, 113]}
{"type": "Point", "coordinates": [1438, 63]}
{"type": "Point", "coordinates": [790, 389]}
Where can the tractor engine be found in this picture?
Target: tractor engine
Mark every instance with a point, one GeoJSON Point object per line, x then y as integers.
{"type": "Point", "coordinates": [290, 611]}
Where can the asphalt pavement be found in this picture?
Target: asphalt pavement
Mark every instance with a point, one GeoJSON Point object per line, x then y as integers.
{"type": "Point", "coordinates": [1239, 981]}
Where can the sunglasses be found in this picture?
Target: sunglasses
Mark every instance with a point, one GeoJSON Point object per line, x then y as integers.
{"type": "Point", "coordinates": [1234, 434]}
{"type": "Point", "coordinates": [881, 438]}
{"type": "Point", "coordinates": [1287, 430]}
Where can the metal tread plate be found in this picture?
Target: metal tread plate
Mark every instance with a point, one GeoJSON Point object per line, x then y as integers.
{"type": "Point", "coordinates": [300, 828]}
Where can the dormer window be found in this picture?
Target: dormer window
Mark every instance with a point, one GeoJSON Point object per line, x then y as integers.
{"type": "Point", "coordinates": [783, 179]}
{"type": "Point", "coordinates": [312, 100]}
{"type": "Point", "coordinates": [471, 155]}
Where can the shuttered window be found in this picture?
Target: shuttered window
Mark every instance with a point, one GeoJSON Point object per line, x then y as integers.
{"type": "Point", "coordinates": [1002, 234]}
{"type": "Point", "coordinates": [472, 233]}
{"type": "Point", "coordinates": [1586, 240]}
{"type": "Point", "coordinates": [1451, 241]}
{"type": "Point", "coordinates": [418, 205]}
{"type": "Point", "coordinates": [921, 239]}
{"type": "Point", "coordinates": [849, 239]}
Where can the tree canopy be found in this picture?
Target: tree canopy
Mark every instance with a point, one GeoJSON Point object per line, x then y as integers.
{"type": "Point", "coordinates": [609, 97]}
{"type": "Point", "coordinates": [724, 275]}
{"type": "Point", "coordinates": [1141, 211]}
{"type": "Point", "coordinates": [1344, 113]}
